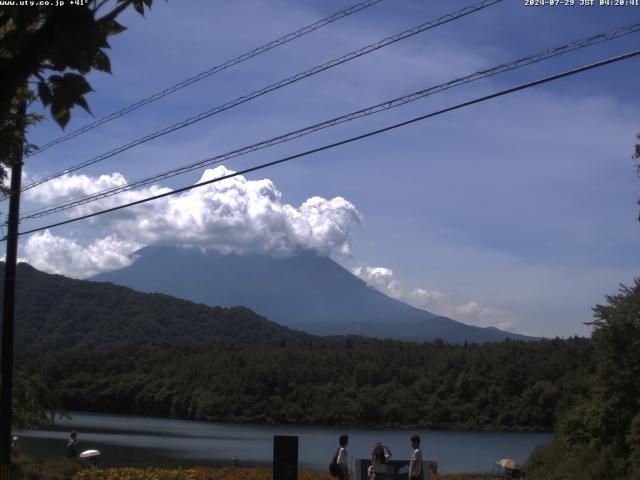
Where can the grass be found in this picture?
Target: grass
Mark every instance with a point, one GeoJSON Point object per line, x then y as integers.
{"type": "Point", "coordinates": [65, 469]}
{"type": "Point", "coordinates": [60, 469]}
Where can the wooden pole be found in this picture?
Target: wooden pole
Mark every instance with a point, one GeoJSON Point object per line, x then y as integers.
{"type": "Point", "coordinates": [8, 306]}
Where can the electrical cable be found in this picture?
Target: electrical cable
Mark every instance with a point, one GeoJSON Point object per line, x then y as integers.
{"type": "Point", "coordinates": [275, 86]}
{"type": "Point", "coordinates": [348, 140]}
{"type": "Point", "coordinates": [212, 71]}
{"type": "Point", "coordinates": [530, 59]}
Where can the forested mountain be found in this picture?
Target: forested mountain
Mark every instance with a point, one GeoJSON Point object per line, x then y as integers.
{"type": "Point", "coordinates": [508, 385]}
{"type": "Point", "coordinates": [304, 291]}
{"type": "Point", "coordinates": [55, 312]}
{"type": "Point", "coordinates": [162, 356]}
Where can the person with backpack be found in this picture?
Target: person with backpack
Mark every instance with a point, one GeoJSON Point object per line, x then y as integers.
{"type": "Point", "coordinates": [339, 466]}
{"type": "Point", "coordinates": [379, 468]}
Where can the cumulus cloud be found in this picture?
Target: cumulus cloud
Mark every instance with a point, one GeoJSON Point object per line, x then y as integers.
{"type": "Point", "coordinates": [380, 278]}
{"type": "Point", "coordinates": [234, 215]}
{"type": "Point", "coordinates": [67, 187]}
{"type": "Point", "coordinates": [68, 257]}
{"type": "Point", "coordinates": [383, 280]}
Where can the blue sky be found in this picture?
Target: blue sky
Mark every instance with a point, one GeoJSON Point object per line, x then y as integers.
{"type": "Point", "coordinates": [519, 212]}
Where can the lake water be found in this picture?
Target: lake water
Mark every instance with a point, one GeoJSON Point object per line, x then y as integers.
{"type": "Point", "coordinates": [141, 441]}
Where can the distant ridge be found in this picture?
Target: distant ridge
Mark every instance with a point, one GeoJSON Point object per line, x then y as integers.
{"type": "Point", "coordinates": [54, 313]}
{"type": "Point", "coordinates": [303, 291]}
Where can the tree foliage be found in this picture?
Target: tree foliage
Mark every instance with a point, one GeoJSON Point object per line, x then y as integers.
{"type": "Point", "coordinates": [110, 348]}
{"type": "Point", "coordinates": [633, 439]}
{"type": "Point", "coordinates": [505, 386]}
{"type": "Point", "coordinates": [34, 402]}
{"type": "Point", "coordinates": [616, 337]}
{"type": "Point", "coordinates": [636, 156]}
{"type": "Point", "coordinates": [46, 53]}
{"type": "Point", "coordinates": [54, 312]}
{"type": "Point", "coordinates": [599, 437]}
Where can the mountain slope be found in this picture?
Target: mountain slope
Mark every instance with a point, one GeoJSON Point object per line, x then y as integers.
{"type": "Point", "coordinates": [303, 291]}
{"type": "Point", "coordinates": [54, 312]}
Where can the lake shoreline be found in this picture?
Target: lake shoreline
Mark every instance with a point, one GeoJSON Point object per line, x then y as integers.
{"type": "Point", "coordinates": [407, 428]}
{"type": "Point", "coordinates": [142, 441]}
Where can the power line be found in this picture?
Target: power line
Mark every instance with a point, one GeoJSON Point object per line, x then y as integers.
{"type": "Point", "coordinates": [534, 58]}
{"type": "Point", "coordinates": [349, 140]}
{"type": "Point", "coordinates": [275, 86]}
{"type": "Point", "coordinates": [212, 71]}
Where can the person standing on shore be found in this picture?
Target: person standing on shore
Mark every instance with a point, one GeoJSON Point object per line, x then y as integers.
{"type": "Point", "coordinates": [415, 465]}
{"type": "Point", "coordinates": [72, 445]}
{"type": "Point", "coordinates": [343, 458]}
{"type": "Point", "coordinates": [379, 461]}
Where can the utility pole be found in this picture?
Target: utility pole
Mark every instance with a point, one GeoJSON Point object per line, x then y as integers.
{"type": "Point", "coordinates": [8, 310]}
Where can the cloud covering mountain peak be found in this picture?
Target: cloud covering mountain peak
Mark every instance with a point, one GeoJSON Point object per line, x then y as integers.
{"type": "Point", "coordinates": [235, 215]}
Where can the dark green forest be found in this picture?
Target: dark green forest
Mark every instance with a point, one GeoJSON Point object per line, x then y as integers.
{"type": "Point", "coordinates": [54, 312]}
{"type": "Point", "coordinates": [506, 386]}
{"type": "Point", "coordinates": [599, 437]}
{"type": "Point", "coordinates": [98, 347]}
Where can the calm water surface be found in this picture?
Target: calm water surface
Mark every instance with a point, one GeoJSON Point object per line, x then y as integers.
{"type": "Point", "coordinates": [142, 441]}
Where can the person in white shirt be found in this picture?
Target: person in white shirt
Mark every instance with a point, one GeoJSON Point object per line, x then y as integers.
{"type": "Point", "coordinates": [343, 459]}
{"type": "Point", "coordinates": [379, 461]}
{"type": "Point", "coordinates": [415, 465]}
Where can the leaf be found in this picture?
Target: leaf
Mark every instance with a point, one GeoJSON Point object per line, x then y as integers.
{"type": "Point", "coordinates": [44, 92]}
{"type": "Point", "coordinates": [68, 90]}
{"type": "Point", "coordinates": [139, 6]}
{"type": "Point", "coordinates": [83, 103]}
{"type": "Point", "coordinates": [76, 83]}
{"type": "Point", "coordinates": [148, 3]}
{"type": "Point", "coordinates": [101, 62]}
{"type": "Point", "coordinates": [55, 80]}
{"type": "Point", "coordinates": [85, 67]}
{"type": "Point", "coordinates": [114, 28]}
{"type": "Point", "coordinates": [60, 114]}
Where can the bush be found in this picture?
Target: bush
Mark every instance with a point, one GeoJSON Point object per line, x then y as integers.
{"type": "Point", "coordinates": [633, 440]}
{"type": "Point", "coordinates": [556, 460]}
{"type": "Point", "coordinates": [23, 468]}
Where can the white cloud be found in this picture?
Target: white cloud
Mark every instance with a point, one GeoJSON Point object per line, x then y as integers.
{"type": "Point", "coordinates": [67, 187]}
{"type": "Point", "coordinates": [234, 215]}
{"type": "Point", "coordinates": [469, 312]}
{"type": "Point", "coordinates": [380, 278]}
{"type": "Point", "coordinates": [383, 280]}
{"type": "Point", "coordinates": [66, 256]}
